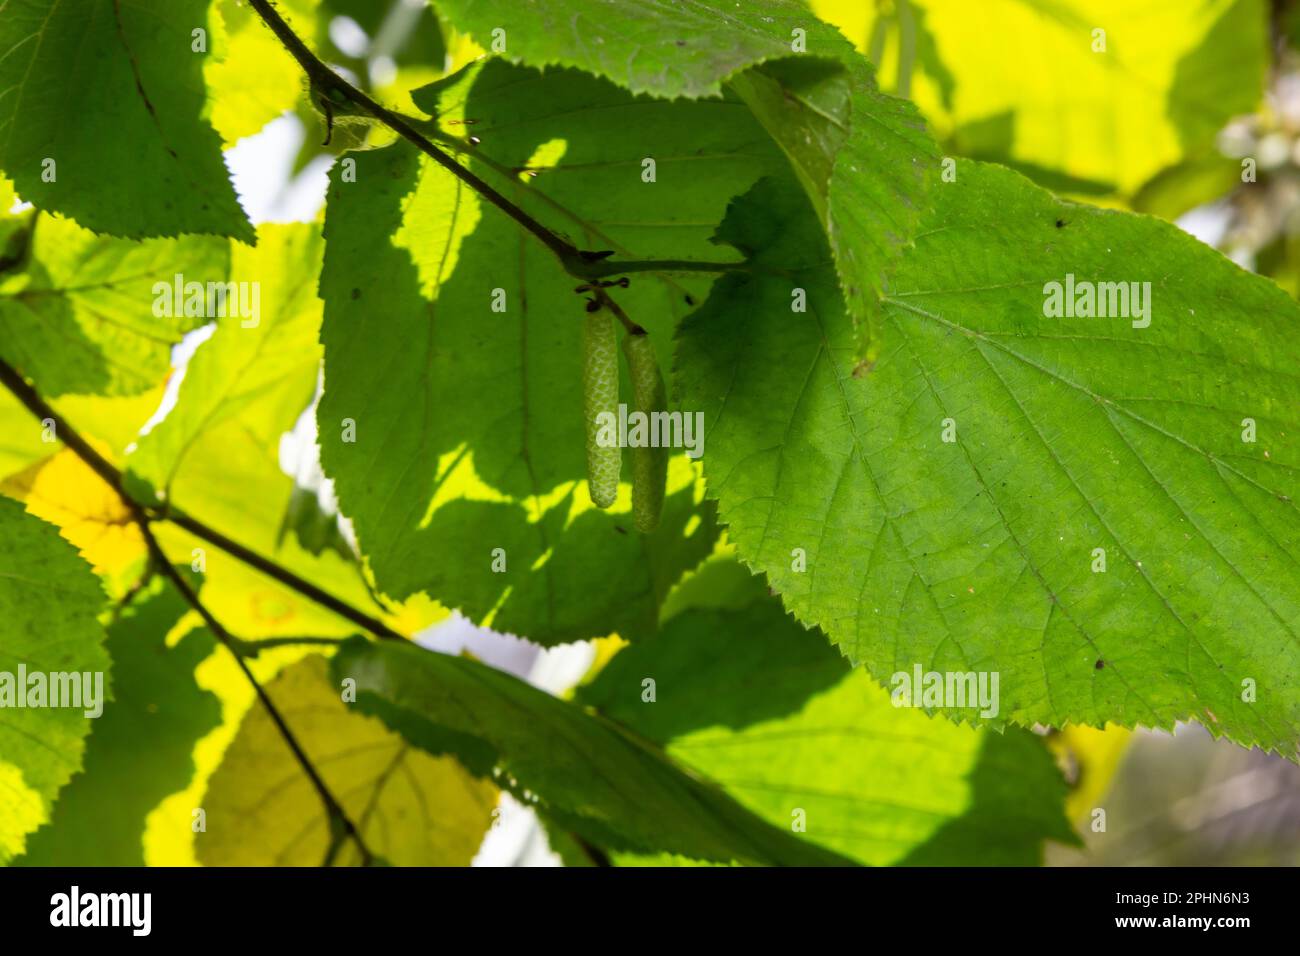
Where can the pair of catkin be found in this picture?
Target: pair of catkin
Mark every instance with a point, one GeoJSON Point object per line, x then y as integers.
{"type": "Point", "coordinates": [600, 393]}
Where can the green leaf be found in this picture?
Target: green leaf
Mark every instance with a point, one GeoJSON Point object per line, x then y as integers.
{"type": "Point", "coordinates": [748, 698]}
{"type": "Point", "coordinates": [311, 525]}
{"type": "Point", "coordinates": [81, 316]}
{"type": "Point", "coordinates": [579, 770]}
{"type": "Point", "coordinates": [19, 446]}
{"type": "Point", "coordinates": [49, 600]}
{"type": "Point", "coordinates": [1177, 189]}
{"type": "Point", "coordinates": [110, 423]}
{"type": "Point", "coordinates": [1071, 435]}
{"type": "Point", "coordinates": [111, 92]}
{"type": "Point", "coordinates": [468, 421]}
{"type": "Point", "coordinates": [141, 750]}
{"type": "Point", "coordinates": [412, 809]}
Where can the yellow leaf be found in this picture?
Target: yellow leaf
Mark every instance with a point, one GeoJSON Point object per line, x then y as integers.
{"type": "Point", "coordinates": [1102, 92]}
{"type": "Point", "coordinates": [64, 491]}
{"type": "Point", "coordinates": [413, 809]}
{"type": "Point", "coordinates": [1089, 758]}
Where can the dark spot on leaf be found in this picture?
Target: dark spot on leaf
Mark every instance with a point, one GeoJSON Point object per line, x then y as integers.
{"type": "Point", "coordinates": [356, 294]}
{"type": "Point", "coordinates": [1060, 224]}
{"type": "Point", "coordinates": [690, 299]}
{"type": "Point", "coordinates": [681, 43]}
{"type": "Point", "coordinates": [1100, 664]}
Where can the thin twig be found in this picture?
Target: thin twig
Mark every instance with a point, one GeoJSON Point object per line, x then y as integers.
{"type": "Point", "coordinates": [33, 402]}
{"type": "Point", "coordinates": [253, 648]}
{"type": "Point", "coordinates": [604, 300]}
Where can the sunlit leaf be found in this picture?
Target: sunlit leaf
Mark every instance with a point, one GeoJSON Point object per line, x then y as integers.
{"type": "Point", "coordinates": [251, 78]}
{"type": "Point", "coordinates": [1087, 96]}
{"type": "Point", "coordinates": [66, 492]}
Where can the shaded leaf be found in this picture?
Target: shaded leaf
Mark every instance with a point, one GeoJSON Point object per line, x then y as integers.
{"type": "Point", "coordinates": [468, 421]}
{"type": "Point", "coordinates": [865, 160]}
{"type": "Point", "coordinates": [580, 771]}
{"type": "Point", "coordinates": [864, 157]}
{"type": "Point", "coordinates": [685, 49]}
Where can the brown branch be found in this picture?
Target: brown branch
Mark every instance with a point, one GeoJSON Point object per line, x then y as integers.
{"type": "Point", "coordinates": [603, 300]}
